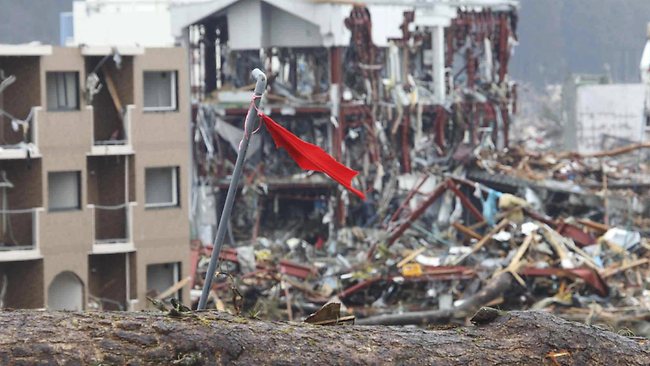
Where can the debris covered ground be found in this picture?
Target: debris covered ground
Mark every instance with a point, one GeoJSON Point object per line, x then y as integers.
{"type": "Point", "coordinates": [571, 230]}
{"type": "Point", "coordinates": [464, 208]}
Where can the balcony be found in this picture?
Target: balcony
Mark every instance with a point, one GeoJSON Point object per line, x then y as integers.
{"type": "Point", "coordinates": [21, 202]}
{"type": "Point", "coordinates": [112, 281]}
{"type": "Point", "coordinates": [112, 228]}
{"type": "Point", "coordinates": [111, 196]}
{"type": "Point", "coordinates": [20, 99]}
{"type": "Point", "coordinates": [116, 143]}
{"type": "Point", "coordinates": [19, 234]}
{"type": "Point", "coordinates": [20, 136]}
{"type": "Point", "coordinates": [112, 103]}
{"type": "Point", "coordinates": [22, 283]}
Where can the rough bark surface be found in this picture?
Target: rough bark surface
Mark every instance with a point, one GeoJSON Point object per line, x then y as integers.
{"type": "Point", "coordinates": [209, 338]}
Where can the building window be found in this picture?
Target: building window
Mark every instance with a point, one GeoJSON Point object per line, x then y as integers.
{"type": "Point", "coordinates": [161, 277]}
{"type": "Point", "coordinates": [161, 186]}
{"type": "Point", "coordinates": [62, 91]}
{"type": "Point", "coordinates": [64, 191]}
{"type": "Point", "coordinates": [160, 91]}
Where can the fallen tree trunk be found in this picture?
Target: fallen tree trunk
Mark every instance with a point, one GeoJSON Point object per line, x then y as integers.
{"type": "Point", "coordinates": [208, 338]}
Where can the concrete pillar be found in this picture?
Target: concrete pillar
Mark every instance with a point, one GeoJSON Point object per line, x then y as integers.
{"type": "Point", "coordinates": [438, 48]}
{"type": "Point", "coordinates": [644, 66]}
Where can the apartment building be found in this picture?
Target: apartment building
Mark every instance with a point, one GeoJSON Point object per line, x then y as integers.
{"type": "Point", "coordinates": [94, 159]}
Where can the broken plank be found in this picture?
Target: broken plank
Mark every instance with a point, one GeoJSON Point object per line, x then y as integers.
{"type": "Point", "coordinates": [502, 224]}
{"type": "Point", "coordinates": [112, 90]}
{"type": "Point", "coordinates": [174, 288]}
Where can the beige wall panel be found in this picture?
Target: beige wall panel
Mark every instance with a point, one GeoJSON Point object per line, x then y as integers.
{"type": "Point", "coordinates": [75, 262]}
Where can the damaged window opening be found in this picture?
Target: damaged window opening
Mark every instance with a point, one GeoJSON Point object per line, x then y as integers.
{"type": "Point", "coordinates": [160, 91]}
{"type": "Point", "coordinates": [161, 277]}
{"type": "Point", "coordinates": [161, 185]}
{"type": "Point", "coordinates": [62, 91]}
{"type": "Point", "coordinates": [64, 193]}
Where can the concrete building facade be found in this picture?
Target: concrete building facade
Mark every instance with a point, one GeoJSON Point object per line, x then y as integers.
{"type": "Point", "coordinates": [94, 163]}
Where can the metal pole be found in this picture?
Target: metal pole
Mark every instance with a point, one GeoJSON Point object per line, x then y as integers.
{"type": "Point", "coordinates": [251, 117]}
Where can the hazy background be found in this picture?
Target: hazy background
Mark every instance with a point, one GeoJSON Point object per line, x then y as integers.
{"type": "Point", "coordinates": [23, 21]}
{"type": "Point", "coordinates": [556, 37]}
{"type": "Point", "coordinates": [559, 37]}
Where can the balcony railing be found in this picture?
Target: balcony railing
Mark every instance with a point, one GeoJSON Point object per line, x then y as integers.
{"type": "Point", "coordinates": [20, 137]}
{"type": "Point", "coordinates": [112, 227]}
{"type": "Point", "coordinates": [19, 234]}
{"type": "Point", "coordinates": [115, 146]}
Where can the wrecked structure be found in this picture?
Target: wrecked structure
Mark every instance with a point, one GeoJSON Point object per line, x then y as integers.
{"type": "Point", "coordinates": [389, 101]}
{"type": "Point", "coordinates": [457, 215]}
{"type": "Point", "coordinates": [92, 166]}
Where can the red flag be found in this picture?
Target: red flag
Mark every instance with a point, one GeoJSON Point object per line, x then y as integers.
{"type": "Point", "coordinates": [311, 157]}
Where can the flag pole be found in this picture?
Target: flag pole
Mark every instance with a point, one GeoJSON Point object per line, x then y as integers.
{"type": "Point", "coordinates": [251, 117]}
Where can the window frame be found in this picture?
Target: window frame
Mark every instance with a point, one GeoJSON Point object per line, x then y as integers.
{"type": "Point", "coordinates": [175, 189]}
{"type": "Point", "coordinates": [77, 173]}
{"type": "Point", "coordinates": [176, 276]}
{"type": "Point", "coordinates": [77, 91]}
{"type": "Point", "coordinates": [173, 89]}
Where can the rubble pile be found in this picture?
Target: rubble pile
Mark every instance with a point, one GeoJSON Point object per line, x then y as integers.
{"type": "Point", "coordinates": [450, 238]}
{"type": "Point", "coordinates": [457, 215]}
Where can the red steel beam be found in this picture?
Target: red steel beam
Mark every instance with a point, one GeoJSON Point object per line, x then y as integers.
{"type": "Point", "coordinates": [297, 270]}
{"type": "Point", "coordinates": [395, 234]}
{"type": "Point", "coordinates": [465, 201]}
{"type": "Point", "coordinates": [581, 238]}
{"type": "Point", "coordinates": [406, 158]}
{"type": "Point", "coordinates": [441, 273]}
{"type": "Point", "coordinates": [359, 286]}
{"type": "Point", "coordinates": [591, 277]}
{"type": "Point", "coordinates": [439, 126]}
{"type": "Point", "coordinates": [408, 198]}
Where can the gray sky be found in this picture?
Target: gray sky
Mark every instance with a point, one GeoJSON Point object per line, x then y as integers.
{"type": "Point", "coordinates": [559, 37]}
{"type": "Point", "coordinates": [23, 21]}
{"type": "Point", "coordinates": [556, 37]}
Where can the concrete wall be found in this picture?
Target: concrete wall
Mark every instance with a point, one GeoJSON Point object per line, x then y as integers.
{"type": "Point", "coordinates": [161, 139]}
{"type": "Point", "coordinates": [64, 141]}
{"type": "Point", "coordinates": [287, 30]}
{"type": "Point", "coordinates": [607, 113]}
{"type": "Point", "coordinates": [569, 105]}
{"type": "Point", "coordinates": [146, 23]}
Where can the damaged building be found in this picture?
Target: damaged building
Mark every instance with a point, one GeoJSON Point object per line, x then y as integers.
{"type": "Point", "coordinates": [390, 89]}
{"type": "Point", "coordinates": [416, 96]}
{"type": "Point", "coordinates": [93, 167]}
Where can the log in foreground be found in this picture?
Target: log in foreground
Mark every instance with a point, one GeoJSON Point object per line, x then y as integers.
{"type": "Point", "coordinates": [208, 338]}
